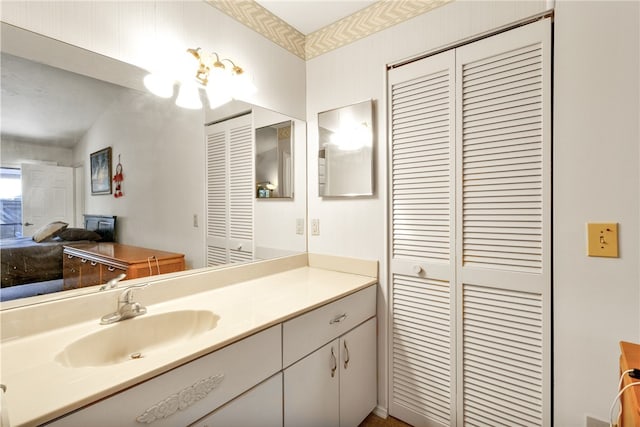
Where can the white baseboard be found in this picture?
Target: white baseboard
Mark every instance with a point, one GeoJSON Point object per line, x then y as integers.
{"type": "Point", "coordinates": [381, 412]}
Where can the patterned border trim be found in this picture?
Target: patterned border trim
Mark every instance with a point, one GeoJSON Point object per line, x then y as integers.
{"type": "Point", "coordinates": [259, 19]}
{"type": "Point", "coordinates": [374, 18]}
{"type": "Point", "coordinates": [370, 20]}
{"type": "Point", "coordinates": [180, 400]}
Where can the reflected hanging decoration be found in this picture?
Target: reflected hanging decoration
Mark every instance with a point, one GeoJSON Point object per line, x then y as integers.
{"type": "Point", "coordinates": [221, 80]}
{"type": "Point", "coordinates": [118, 178]}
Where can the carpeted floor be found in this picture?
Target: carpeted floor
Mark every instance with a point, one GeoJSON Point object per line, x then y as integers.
{"type": "Point", "coordinates": [375, 421]}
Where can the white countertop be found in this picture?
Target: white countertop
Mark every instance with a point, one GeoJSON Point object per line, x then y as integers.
{"type": "Point", "coordinates": [40, 389]}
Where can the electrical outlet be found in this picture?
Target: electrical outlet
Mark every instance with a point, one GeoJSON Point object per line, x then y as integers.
{"type": "Point", "coordinates": [315, 227]}
{"type": "Point", "coordinates": [300, 226]}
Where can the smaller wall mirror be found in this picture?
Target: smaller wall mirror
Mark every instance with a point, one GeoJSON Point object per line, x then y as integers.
{"type": "Point", "coordinates": [274, 161]}
{"type": "Point", "coordinates": [345, 158]}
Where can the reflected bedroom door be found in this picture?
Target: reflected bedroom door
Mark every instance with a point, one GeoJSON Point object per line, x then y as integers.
{"type": "Point", "coordinates": [47, 195]}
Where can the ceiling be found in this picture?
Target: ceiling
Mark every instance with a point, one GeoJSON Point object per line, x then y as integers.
{"type": "Point", "coordinates": [46, 105]}
{"type": "Point", "coordinates": [308, 16]}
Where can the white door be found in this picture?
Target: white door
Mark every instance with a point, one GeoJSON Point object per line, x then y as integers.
{"type": "Point", "coordinates": [230, 191]}
{"type": "Point", "coordinates": [311, 389]}
{"type": "Point", "coordinates": [470, 318]}
{"type": "Point", "coordinates": [358, 369]}
{"type": "Point", "coordinates": [47, 195]}
{"type": "Point", "coordinates": [423, 241]}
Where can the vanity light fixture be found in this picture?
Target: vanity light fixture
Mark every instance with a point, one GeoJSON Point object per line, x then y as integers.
{"type": "Point", "coordinates": [221, 82]}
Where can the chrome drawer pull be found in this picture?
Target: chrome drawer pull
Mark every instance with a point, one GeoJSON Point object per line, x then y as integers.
{"type": "Point", "coordinates": [334, 363]}
{"type": "Point", "coordinates": [338, 319]}
{"type": "Point", "coordinates": [346, 355]}
{"type": "Point", "coordinates": [111, 268]}
{"type": "Point", "coordinates": [69, 256]}
{"type": "Point", "coordinates": [83, 260]}
{"type": "Point", "coordinates": [94, 263]}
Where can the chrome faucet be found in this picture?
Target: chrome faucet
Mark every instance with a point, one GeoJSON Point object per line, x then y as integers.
{"type": "Point", "coordinates": [127, 308]}
{"type": "Point", "coordinates": [113, 282]}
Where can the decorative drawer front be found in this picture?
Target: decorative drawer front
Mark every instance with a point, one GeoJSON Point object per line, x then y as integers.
{"type": "Point", "coordinates": [185, 394]}
{"type": "Point", "coordinates": [312, 330]}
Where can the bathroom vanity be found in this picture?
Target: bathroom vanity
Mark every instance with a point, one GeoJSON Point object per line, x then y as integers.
{"type": "Point", "coordinates": [283, 342]}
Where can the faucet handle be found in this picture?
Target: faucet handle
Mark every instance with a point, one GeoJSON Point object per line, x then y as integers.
{"type": "Point", "coordinates": [127, 295]}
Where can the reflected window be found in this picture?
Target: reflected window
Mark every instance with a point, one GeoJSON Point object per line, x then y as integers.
{"type": "Point", "coordinates": [10, 203]}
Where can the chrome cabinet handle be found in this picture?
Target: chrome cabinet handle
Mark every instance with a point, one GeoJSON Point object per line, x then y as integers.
{"type": "Point", "coordinates": [93, 263]}
{"type": "Point", "coordinates": [111, 268]}
{"type": "Point", "coordinates": [338, 319]}
{"type": "Point", "coordinates": [83, 260]}
{"type": "Point", "coordinates": [346, 354]}
{"type": "Point", "coordinates": [69, 256]}
{"type": "Point", "coordinates": [334, 363]}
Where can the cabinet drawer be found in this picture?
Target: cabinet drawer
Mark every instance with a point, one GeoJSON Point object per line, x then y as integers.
{"type": "Point", "coordinates": [259, 407]}
{"type": "Point", "coordinates": [312, 330]}
{"type": "Point", "coordinates": [185, 394]}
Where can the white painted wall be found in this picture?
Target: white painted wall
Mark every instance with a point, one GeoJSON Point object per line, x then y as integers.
{"type": "Point", "coordinates": [161, 148]}
{"type": "Point", "coordinates": [596, 163]}
{"type": "Point", "coordinates": [13, 153]}
{"type": "Point", "coordinates": [596, 179]}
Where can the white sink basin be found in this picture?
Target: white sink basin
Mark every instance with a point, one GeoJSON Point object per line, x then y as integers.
{"type": "Point", "coordinates": [133, 339]}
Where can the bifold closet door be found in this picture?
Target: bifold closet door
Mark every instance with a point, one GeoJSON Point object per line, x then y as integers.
{"type": "Point", "coordinates": [494, 307]}
{"type": "Point", "coordinates": [230, 194]}
{"type": "Point", "coordinates": [503, 227]}
{"type": "Point", "coordinates": [422, 240]}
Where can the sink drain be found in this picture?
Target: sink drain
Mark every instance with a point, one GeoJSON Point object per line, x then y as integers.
{"type": "Point", "coordinates": [136, 355]}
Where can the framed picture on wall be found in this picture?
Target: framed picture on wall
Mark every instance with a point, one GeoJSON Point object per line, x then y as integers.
{"type": "Point", "coordinates": [101, 171]}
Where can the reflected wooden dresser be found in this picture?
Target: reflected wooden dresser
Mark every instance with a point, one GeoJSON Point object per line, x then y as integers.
{"type": "Point", "coordinates": [89, 264]}
{"type": "Point", "coordinates": [630, 400]}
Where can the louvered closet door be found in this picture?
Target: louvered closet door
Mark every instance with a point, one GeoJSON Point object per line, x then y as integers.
{"type": "Point", "coordinates": [229, 191]}
{"type": "Point", "coordinates": [216, 195]}
{"type": "Point", "coordinates": [503, 140]}
{"type": "Point", "coordinates": [241, 191]}
{"type": "Point", "coordinates": [470, 233]}
{"type": "Point", "coordinates": [422, 241]}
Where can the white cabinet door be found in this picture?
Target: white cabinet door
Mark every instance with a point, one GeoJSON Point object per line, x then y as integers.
{"type": "Point", "coordinates": [311, 389]}
{"type": "Point", "coordinates": [259, 407]}
{"type": "Point", "coordinates": [358, 380]}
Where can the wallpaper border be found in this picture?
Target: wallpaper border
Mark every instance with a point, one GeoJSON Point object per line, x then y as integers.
{"type": "Point", "coordinates": [377, 17]}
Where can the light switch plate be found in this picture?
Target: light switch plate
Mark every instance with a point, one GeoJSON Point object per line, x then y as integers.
{"type": "Point", "coordinates": [300, 226]}
{"type": "Point", "coordinates": [315, 227]}
{"type": "Point", "coordinates": [602, 239]}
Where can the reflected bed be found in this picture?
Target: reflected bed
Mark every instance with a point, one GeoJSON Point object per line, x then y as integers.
{"type": "Point", "coordinates": [39, 265]}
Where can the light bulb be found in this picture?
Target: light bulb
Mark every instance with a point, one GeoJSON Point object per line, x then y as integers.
{"type": "Point", "coordinates": [188, 97]}
{"type": "Point", "coordinates": [217, 97]}
{"type": "Point", "coordinates": [242, 86]}
{"type": "Point", "coordinates": [159, 85]}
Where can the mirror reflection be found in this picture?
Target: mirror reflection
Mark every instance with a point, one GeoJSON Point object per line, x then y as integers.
{"type": "Point", "coordinates": [345, 158]}
{"type": "Point", "coordinates": [274, 161]}
{"type": "Point", "coordinates": [53, 119]}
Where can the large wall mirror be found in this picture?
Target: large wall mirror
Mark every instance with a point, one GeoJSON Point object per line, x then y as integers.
{"type": "Point", "coordinates": [345, 157]}
{"type": "Point", "coordinates": [61, 103]}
